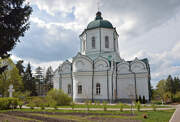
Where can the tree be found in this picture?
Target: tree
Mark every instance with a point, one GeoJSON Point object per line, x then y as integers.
{"type": "Point", "coordinates": [14, 21]}
{"type": "Point", "coordinates": [170, 87]}
{"type": "Point", "coordinates": [176, 85]}
{"type": "Point", "coordinates": [20, 67]}
{"type": "Point", "coordinates": [161, 90]}
{"type": "Point", "coordinates": [40, 80]}
{"type": "Point", "coordinates": [49, 77]}
{"type": "Point", "coordinates": [29, 81]}
{"type": "Point", "coordinates": [10, 76]}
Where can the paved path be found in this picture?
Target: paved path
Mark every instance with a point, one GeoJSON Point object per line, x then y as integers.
{"type": "Point", "coordinates": [176, 116]}
{"type": "Point", "coordinates": [101, 109]}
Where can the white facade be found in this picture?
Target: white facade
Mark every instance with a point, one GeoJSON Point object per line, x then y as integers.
{"type": "Point", "coordinates": [98, 73]}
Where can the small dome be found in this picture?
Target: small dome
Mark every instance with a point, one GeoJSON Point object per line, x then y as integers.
{"type": "Point", "coordinates": [99, 22]}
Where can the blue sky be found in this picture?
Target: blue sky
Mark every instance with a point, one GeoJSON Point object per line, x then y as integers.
{"type": "Point", "coordinates": [147, 28]}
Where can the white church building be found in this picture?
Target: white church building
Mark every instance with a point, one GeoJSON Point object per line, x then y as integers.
{"type": "Point", "coordinates": [98, 73]}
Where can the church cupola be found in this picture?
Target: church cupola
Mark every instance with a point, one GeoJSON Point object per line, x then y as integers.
{"type": "Point", "coordinates": [99, 22]}
{"type": "Point", "coordinates": [99, 38]}
{"type": "Point", "coordinates": [98, 15]}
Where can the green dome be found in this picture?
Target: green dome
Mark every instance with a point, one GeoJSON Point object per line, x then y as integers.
{"type": "Point", "coordinates": [99, 22]}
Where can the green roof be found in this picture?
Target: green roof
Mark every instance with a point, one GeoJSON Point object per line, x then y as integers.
{"type": "Point", "coordinates": [99, 22]}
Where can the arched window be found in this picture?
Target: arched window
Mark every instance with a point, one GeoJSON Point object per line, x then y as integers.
{"type": "Point", "coordinates": [79, 89]}
{"type": "Point", "coordinates": [98, 89]}
{"type": "Point", "coordinates": [84, 46]}
{"type": "Point", "coordinates": [93, 42]}
{"type": "Point", "coordinates": [69, 88]}
{"type": "Point", "coordinates": [106, 42]}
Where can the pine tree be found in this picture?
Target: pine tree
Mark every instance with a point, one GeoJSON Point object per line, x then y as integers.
{"type": "Point", "coordinates": [170, 86]}
{"type": "Point", "coordinates": [29, 81]}
{"type": "Point", "coordinates": [143, 100]}
{"type": "Point", "coordinates": [140, 99]}
{"type": "Point", "coordinates": [48, 79]}
{"type": "Point", "coordinates": [14, 21]}
{"type": "Point", "coordinates": [40, 80]}
{"type": "Point", "coordinates": [20, 67]}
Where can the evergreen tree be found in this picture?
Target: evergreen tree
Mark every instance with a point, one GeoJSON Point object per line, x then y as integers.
{"type": "Point", "coordinates": [170, 86]}
{"type": "Point", "coordinates": [14, 17]}
{"type": "Point", "coordinates": [20, 67]}
{"type": "Point", "coordinates": [176, 84]}
{"type": "Point", "coordinates": [143, 100]}
{"type": "Point", "coordinates": [40, 80]}
{"type": "Point", "coordinates": [140, 99]}
{"type": "Point", "coordinates": [48, 79]}
{"type": "Point", "coordinates": [29, 81]}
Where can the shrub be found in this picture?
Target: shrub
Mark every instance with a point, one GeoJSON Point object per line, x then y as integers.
{"type": "Point", "coordinates": [59, 96]}
{"type": "Point", "coordinates": [4, 104]}
{"type": "Point", "coordinates": [105, 105]}
{"type": "Point", "coordinates": [87, 104]}
{"type": "Point", "coordinates": [98, 103]}
{"type": "Point", "coordinates": [95, 103]}
{"type": "Point", "coordinates": [20, 104]}
{"type": "Point", "coordinates": [90, 102]}
{"type": "Point", "coordinates": [154, 107]}
{"type": "Point", "coordinates": [72, 105]}
{"type": "Point", "coordinates": [37, 101]}
{"type": "Point", "coordinates": [7, 103]}
{"type": "Point", "coordinates": [138, 106]}
{"type": "Point", "coordinates": [121, 106]}
{"type": "Point", "coordinates": [32, 105]}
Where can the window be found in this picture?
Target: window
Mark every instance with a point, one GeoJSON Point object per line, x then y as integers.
{"type": "Point", "coordinates": [98, 89]}
{"type": "Point", "coordinates": [79, 89]}
{"type": "Point", "coordinates": [93, 42]}
{"type": "Point", "coordinates": [83, 45]}
{"type": "Point", "coordinates": [69, 89]}
{"type": "Point", "coordinates": [106, 42]}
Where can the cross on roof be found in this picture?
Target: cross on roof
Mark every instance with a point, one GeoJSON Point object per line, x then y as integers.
{"type": "Point", "coordinates": [98, 5]}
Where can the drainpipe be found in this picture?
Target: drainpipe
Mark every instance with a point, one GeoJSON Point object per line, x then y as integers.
{"type": "Point", "coordinates": [93, 83]}
{"type": "Point", "coordinates": [135, 84]}
{"type": "Point", "coordinates": [112, 80]}
{"type": "Point", "coordinates": [108, 86]}
{"type": "Point", "coordinates": [71, 80]}
{"type": "Point", "coordinates": [116, 82]}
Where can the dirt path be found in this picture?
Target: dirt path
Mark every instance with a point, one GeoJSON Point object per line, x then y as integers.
{"type": "Point", "coordinates": [9, 118]}
{"type": "Point", "coordinates": [88, 117]}
{"type": "Point", "coordinates": [27, 115]}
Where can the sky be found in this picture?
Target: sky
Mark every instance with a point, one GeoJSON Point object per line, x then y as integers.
{"type": "Point", "coordinates": [147, 29]}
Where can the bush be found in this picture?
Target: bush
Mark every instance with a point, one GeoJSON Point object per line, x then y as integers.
{"type": "Point", "coordinates": [72, 105]}
{"type": "Point", "coordinates": [121, 106]}
{"type": "Point", "coordinates": [105, 105]}
{"type": "Point", "coordinates": [138, 106]}
{"type": "Point", "coordinates": [59, 96]}
{"type": "Point", "coordinates": [32, 105]}
{"type": "Point", "coordinates": [154, 107]}
{"type": "Point", "coordinates": [20, 104]}
{"type": "Point", "coordinates": [7, 103]}
{"type": "Point", "coordinates": [53, 104]}
{"type": "Point", "coordinates": [87, 104]}
{"type": "Point", "coordinates": [98, 103]}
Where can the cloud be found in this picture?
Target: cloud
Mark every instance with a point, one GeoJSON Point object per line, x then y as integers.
{"type": "Point", "coordinates": [147, 28]}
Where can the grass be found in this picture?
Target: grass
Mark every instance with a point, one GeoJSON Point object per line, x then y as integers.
{"type": "Point", "coordinates": [153, 116]}
{"type": "Point", "coordinates": [110, 106]}
{"type": "Point", "coordinates": [26, 119]}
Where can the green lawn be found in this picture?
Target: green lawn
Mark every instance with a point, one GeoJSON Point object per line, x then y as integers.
{"type": "Point", "coordinates": [153, 116]}
{"type": "Point", "coordinates": [110, 106]}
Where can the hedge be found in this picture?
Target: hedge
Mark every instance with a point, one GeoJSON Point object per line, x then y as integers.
{"type": "Point", "coordinates": [8, 103]}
